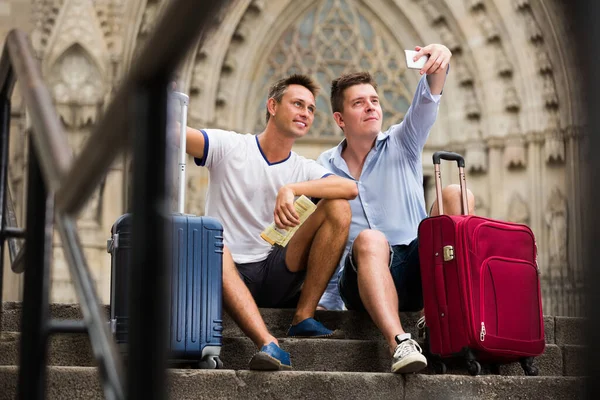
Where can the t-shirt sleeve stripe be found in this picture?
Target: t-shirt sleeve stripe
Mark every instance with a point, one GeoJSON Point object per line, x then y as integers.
{"type": "Point", "coordinates": [198, 161]}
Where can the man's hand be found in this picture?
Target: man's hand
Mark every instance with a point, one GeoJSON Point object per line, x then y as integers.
{"type": "Point", "coordinates": [439, 57]}
{"type": "Point", "coordinates": [285, 215]}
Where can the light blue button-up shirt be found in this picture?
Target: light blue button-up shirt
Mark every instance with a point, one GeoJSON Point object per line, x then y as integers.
{"type": "Point", "coordinates": [390, 188]}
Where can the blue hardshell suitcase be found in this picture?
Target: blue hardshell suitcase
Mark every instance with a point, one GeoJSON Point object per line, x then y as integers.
{"type": "Point", "coordinates": [195, 312]}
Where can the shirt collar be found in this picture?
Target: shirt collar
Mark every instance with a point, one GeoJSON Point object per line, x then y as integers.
{"type": "Point", "coordinates": [337, 153]}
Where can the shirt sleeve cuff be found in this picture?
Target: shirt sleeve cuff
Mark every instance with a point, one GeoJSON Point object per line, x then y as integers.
{"type": "Point", "coordinates": [434, 97]}
{"type": "Point", "coordinates": [202, 161]}
{"type": "Point", "coordinates": [427, 91]}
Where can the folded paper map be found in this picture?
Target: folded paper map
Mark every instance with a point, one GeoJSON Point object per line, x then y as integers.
{"type": "Point", "coordinates": [272, 234]}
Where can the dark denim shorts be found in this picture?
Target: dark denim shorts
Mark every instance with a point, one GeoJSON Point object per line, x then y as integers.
{"type": "Point", "coordinates": [270, 281]}
{"type": "Point", "coordinates": [406, 273]}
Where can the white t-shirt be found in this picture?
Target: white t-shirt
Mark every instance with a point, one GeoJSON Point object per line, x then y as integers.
{"type": "Point", "coordinates": [243, 188]}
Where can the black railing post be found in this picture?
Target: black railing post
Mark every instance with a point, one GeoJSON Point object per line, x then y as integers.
{"type": "Point", "coordinates": [148, 293]}
{"type": "Point", "coordinates": [32, 371]}
{"type": "Point", "coordinates": [4, 132]}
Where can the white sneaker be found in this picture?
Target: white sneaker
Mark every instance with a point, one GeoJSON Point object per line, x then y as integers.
{"type": "Point", "coordinates": [408, 357]}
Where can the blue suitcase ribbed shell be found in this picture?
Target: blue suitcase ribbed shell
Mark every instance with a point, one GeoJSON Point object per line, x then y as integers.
{"type": "Point", "coordinates": [196, 323]}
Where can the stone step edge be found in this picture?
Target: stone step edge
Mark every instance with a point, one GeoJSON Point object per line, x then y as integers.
{"type": "Point", "coordinates": [83, 382]}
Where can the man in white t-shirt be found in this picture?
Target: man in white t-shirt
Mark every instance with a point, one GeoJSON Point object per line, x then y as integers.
{"type": "Point", "coordinates": [254, 180]}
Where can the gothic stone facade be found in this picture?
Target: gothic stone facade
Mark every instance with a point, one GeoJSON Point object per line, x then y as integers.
{"type": "Point", "coordinates": [511, 103]}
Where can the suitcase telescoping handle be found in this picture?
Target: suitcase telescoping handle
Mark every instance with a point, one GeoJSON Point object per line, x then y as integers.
{"type": "Point", "coordinates": [447, 155]}
{"type": "Point", "coordinates": [184, 100]}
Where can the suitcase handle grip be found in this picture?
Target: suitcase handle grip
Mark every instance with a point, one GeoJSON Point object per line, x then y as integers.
{"type": "Point", "coordinates": [448, 155]}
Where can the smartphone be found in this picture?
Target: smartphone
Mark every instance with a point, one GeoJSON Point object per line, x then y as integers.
{"type": "Point", "coordinates": [420, 63]}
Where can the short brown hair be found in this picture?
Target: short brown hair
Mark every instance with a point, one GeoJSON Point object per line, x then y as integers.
{"type": "Point", "coordinates": [277, 90]}
{"type": "Point", "coordinates": [339, 86]}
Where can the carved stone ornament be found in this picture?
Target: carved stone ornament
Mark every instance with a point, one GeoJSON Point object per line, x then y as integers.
{"type": "Point", "coordinates": [474, 5]}
{"type": "Point", "coordinates": [472, 109]}
{"type": "Point", "coordinates": [543, 61]}
{"type": "Point", "coordinates": [223, 94]}
{"type": "Point", "coordinates": [503, 65]}
{"type": "Point", "coordinates": [110, 16]}
{"type": "Point", "coordinates": [515, 155]}
{"type": "Point", "coordinates": [549, 93]}
{"type": "Point", "coordinates": [521, 5]}
{"type": "Point", "coordinates": [257, 5]}
{"type": "Point", "coordinates": [518, 210]}
{"type": "Point", "coordinates": [554, 144]}
{"type": "Point", "coordinates": [534, 33]}
{"type": "Point", "coordinates": [432, 11]}
{"type": "Point", "coordinates": [77, 87]}
{"type": "Point", "coordinates": [511, 99]}
{"type": "Point", "coordinates": [490, 32]}
{"type": "Point", "coordinates": [230, 63]}
{"type": "Point", "coordinates": [44, 18]}
{"type": "Point", "coordinates": [243, 30]}
{"type": "Point", "coordinates": [449, 39]}
{"type": "Point", "coordinates": [476, 154]}
{"type": "Point", "coordinates": [555, 217]}
{"type": "Point", "coordinates": [77, 24]}
{"type": "Point", "coordinates": [464, 76]}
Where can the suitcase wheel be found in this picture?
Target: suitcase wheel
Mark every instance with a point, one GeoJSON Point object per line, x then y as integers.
{"type": "Point", "coordinates": [210, 362]}
{"type": "Point", "coordinates": [439, 368]}
{"type": "Point", "coordinates": [528, 367]}
{"type": "Point", "coordinates": [473, 367]}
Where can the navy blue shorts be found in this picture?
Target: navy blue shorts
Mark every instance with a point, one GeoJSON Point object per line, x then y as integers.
{"type": "Point", "coordinates": [270, 282]}
{"type": "Point", "coordinates": [406, 273]}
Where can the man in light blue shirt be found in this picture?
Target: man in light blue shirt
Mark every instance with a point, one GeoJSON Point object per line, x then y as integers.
{"type": "Point", "coordinates": [380, 268]}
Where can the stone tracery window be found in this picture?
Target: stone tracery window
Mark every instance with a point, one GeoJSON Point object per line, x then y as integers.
{"type": "Point", "coordinates": [331, 38]}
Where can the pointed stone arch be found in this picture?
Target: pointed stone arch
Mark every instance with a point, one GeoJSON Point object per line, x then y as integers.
{"type": "Point", "coordinates": [77, 23]}
{"type": "Point", "coordinates": [328, 39]}
{"type": "Point", "coordinates": [77, 85]}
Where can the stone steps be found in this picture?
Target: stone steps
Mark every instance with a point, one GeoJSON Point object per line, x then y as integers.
{"type": "Point", "coordinates": [355, 325]}
{"type": "Point", "coordinates": [83, 383]}
{"type": "Point", "coordinates": [336, 355]}
{"type": "Point", "coordinates": [354, 367]}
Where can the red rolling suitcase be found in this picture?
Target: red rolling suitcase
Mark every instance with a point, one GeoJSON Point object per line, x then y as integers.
{"type": "Point", "coordinates": [195, 311]}
{"type": "Point", "coordinates": [481, 287]}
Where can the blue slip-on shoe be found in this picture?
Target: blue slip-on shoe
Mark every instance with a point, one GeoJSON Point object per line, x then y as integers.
{"type": "Point", "coordinates": [271, 358]}
{"type": "Point", "coordinates": [311, 328]}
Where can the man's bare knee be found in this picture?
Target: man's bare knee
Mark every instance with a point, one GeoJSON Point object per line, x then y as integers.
{"type": "Point", "coordinates": [337, 210]}
{"type": "Point", "coordinates": [451, 192]}
{"type": "Point", "coordinates": [372, 244]}
{"type": "Point", "coordinates": [452, 198]}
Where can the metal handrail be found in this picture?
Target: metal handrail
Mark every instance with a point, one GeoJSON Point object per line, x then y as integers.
{"type": "Point", "coordinates": [16, 248]}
